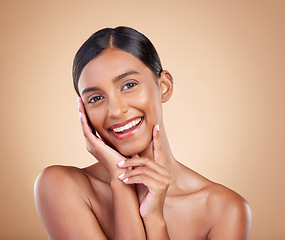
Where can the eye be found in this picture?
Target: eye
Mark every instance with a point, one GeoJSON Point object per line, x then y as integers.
{"type": "Point", "coordinates": [129, 85]}
{"type": "Point", "coordinates": [95, 99]}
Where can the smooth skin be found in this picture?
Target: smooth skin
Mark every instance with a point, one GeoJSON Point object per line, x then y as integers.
{"type": "Point", "coordinates": [137, 190]}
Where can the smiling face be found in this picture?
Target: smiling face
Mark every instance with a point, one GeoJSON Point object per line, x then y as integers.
{"type": "Point", "coordinates": [122, 98]}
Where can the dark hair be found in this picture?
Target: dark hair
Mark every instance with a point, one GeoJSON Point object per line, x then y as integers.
{"type": "Point", "coordinates": [124, 38]}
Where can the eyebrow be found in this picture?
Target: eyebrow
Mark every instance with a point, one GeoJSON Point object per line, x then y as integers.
{"type": "Point", "coordinates": [89, 90]}
{"type": "Point", "coordinates": [116, 79]}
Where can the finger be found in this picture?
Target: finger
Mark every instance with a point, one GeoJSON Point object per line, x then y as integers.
{"type": "Point", "coordinates": [144, 162]}
{"type": "Point", "coordinates": [98, 135]}
{"type": "Point", "coordinates": [101, 151]}
{"type": "Point", "coordinates": [96, 146]}
{"type": "Point", "coordinates": [82, 114]}
{"type": "Point", "coordinates": [87, 131]}
{"type": "Point", "coordinates": [134, 156]}
{"type": "Point", "coordinates": [92, 141]}
{"type": "Point", "coordinates": [154, 186]}
{"type": "Point", "coordinates": [145, 172]}
{"type": "Point", "coordinates": [157, 151]}
{"type": "Point", "coordinates": [80, 105]}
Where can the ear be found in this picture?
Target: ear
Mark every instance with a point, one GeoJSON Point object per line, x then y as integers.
{"type": "Point", "coordinates": [166, 85]}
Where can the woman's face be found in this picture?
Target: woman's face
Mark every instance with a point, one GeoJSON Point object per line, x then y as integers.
{"type": "Point", "coordinates": [122, 100]}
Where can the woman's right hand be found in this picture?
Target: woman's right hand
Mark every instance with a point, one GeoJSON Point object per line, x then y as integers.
{"type": "Point", "coordinates": [107, 156]}
{"type": "Point", "coordinates": [127, 220]}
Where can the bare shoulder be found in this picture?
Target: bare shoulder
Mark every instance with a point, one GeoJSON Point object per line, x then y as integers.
{"type": "Point", "coordinates": [224, 213]}
{"type": "Point", "coordinates": [63, 203]}
{"type": "Point", "coordinates": [52, 173]}
{"type": "Point", "coordinates": [230, 213]}
{"type": "Point", "coordinates": [60, 179]}
{"type": "Point", "coordinates": [219, 200]}
{"type": "Point", "coordinates": [222, 200]}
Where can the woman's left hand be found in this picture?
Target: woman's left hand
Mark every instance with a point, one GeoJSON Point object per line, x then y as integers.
{"type": "Point", "coordinates": [152, 180]}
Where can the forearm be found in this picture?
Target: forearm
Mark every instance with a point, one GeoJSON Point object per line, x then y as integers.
{"type": "Point", "coordinates": [127, 220]}
{"type": "Point", "coordinates": [156, 229]}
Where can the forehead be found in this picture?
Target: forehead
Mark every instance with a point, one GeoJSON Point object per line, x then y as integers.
{"type": "Point", "coordinates": [110, 64]}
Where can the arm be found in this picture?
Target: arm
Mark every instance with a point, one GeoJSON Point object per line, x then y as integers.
{"type": "Point", "coordinates": [127, 220]}
{"type": "Point", "coordinates": [152, 180]}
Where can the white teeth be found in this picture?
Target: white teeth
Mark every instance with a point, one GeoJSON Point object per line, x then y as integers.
{"type": "Point", "coordinates": [127, 126]}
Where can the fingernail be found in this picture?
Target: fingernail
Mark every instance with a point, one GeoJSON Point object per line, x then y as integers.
{"type": "Point", "coordinates": [157, 127]}
{"type": "Point", "coordinates": [80, 115]}
{"type": "Point", "coordinates": [121, 176]}
{"type": "Point", "coordinates": [125, 180]}
{"type": "Point", "coordinates": [120, 164]}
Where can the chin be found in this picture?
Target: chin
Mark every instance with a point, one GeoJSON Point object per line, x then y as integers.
{"type": "Point", "coordinates": [132, 149]}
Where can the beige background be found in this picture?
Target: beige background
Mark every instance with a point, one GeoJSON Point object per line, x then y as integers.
{"type": "Point", "coordinates": [225, 120]}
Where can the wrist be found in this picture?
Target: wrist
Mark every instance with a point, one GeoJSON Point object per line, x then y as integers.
{"type": "Point", "coordinates": [116, 183]}
{"type": "Point", "coordinates": [154, 219]}
{"type": "Point", "coordinates": [156, 228]}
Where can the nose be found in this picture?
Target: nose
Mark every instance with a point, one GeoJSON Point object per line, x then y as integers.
{"type": "Point", "coordinates": [116, 107]}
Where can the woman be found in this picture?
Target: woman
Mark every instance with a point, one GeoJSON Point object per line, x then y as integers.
{"type": "Point", "coordinates": [137, 190]}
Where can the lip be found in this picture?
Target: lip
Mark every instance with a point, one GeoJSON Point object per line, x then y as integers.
{"type": "Point", "coordinates": [129, 133]}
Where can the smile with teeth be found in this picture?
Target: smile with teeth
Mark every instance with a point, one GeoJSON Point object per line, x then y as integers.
{"type": "Point", "coordinates": [128, 126]}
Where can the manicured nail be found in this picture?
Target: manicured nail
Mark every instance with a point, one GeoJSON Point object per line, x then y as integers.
{"type": "Point", "coordinates": [120, 164]}
{"type": "Point", "coordinates": [121, 176]}
{"type": "Point", "coordinates": [125, 180]}
{"type": "Point", "coordinates": [157, 127]}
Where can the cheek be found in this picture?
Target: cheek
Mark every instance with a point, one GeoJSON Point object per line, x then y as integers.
{"type": "Point", "coordinates": [151, 104]}
{"type": "Point", "coordinates": [95, 119]}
